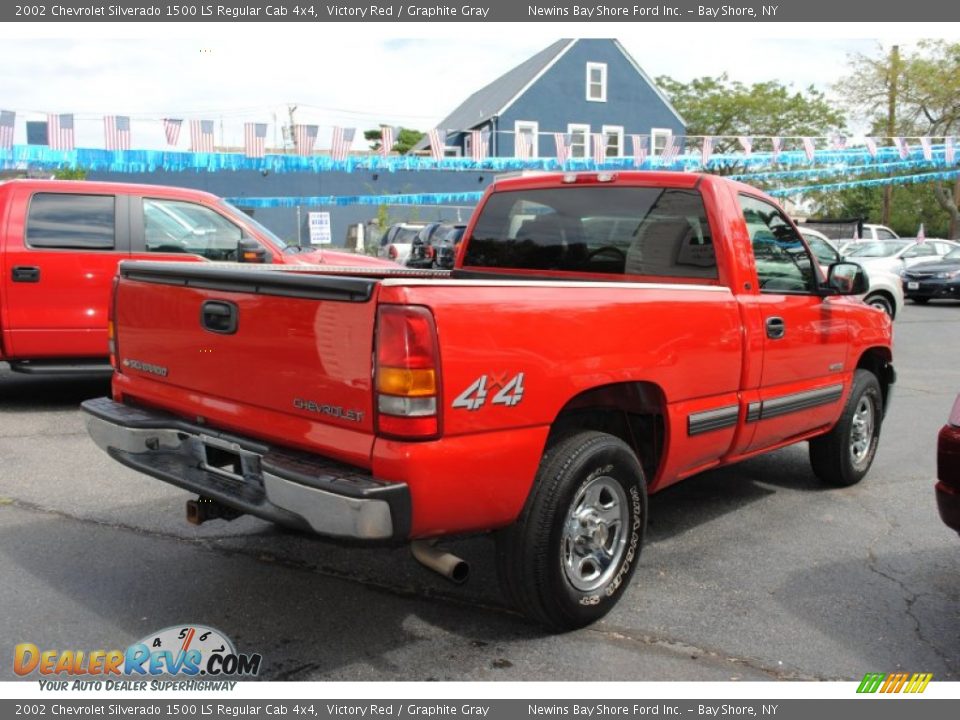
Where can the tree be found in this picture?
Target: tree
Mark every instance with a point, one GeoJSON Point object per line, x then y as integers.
{"type": "Point", "coordinates": [70, 174]}
{"type": "Point", "coordinates": [718, 106]}
{"type": "Point", "coordinates": [406, 138]}
{"type": "Point", "coordinates": [927, 86]}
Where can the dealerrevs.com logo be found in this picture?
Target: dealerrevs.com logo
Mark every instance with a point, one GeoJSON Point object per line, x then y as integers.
{"type": "Point", "coordinates": [180, 651]}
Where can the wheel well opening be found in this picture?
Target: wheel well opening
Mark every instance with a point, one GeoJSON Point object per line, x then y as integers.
{"type": "Point", "coordinates": [633, 412]}
{"type": "Point", "coordinates": [877, 361]}
{"type": "Point", "coordinates": [886, 295]}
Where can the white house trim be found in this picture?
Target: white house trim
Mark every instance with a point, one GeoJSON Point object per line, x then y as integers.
{"type": "Point", "coordinates": [651, 83]}
{"type": "Point", "coordinates": [536, 78]}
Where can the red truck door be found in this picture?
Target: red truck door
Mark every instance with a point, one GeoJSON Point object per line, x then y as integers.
{"type": "Point", "coordinates": [803, 334]}
{"type": "Point", "coordinates": [61, 253]}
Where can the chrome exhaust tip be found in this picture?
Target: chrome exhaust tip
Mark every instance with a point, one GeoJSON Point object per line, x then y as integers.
{"type": "Point", "coordinates": [453, 568]}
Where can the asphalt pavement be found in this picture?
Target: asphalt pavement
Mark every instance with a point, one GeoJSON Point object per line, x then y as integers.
{"type": "Point", "coordinates": [752, 572]}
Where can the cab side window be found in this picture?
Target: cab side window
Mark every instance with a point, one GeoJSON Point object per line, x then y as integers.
{"type": "Point", "coordinates": [173, 226]}
{"type": "Point", "coordinates": [70, 221]}
{"type": "Point", "coordinates": [783, 262]}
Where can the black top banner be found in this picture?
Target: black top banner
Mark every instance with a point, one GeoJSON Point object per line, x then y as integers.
{"type": "Point", "coordinates": [304, 11]}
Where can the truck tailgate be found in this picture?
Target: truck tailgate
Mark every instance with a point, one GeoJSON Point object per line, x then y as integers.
{"type": "Point", "coordinates": [221, 343]}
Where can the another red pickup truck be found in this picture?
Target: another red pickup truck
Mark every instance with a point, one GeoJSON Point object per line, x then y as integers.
{"type": "Point", "coordinates": [60, 242]}
{"type": "Point", "coordinates": [603, 336]}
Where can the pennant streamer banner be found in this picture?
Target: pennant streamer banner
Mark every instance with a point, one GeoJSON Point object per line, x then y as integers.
{"type": "Point", "coordinates": [789, 163]}
{"type": "Point", "coordinates": [471, 198]}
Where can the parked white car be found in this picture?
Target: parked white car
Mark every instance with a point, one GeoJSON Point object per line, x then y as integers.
{"type": "Point", "coordinates": [897, 255]}
{"type": "Point", "coordinates": [886, 289]}
{"type": "Point", "coordinates": [397, 241]}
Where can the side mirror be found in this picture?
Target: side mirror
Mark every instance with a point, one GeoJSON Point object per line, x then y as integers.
{"type": "Point", "coordinates": [250, 251]}
{"type": "Point", "coordinates": [847, 278]}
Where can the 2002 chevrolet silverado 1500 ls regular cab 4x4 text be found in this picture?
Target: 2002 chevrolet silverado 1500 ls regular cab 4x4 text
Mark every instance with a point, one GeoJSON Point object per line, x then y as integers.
{"type": "Point", "coordinates": [602, 337]}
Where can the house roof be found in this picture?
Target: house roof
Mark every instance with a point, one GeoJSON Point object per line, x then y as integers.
{"type": "Point", "coordinates": [494, 99]}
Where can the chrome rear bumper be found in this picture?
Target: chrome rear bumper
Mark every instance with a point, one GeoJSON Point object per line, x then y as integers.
{"type": "Point", "coordinates": [300, 490]}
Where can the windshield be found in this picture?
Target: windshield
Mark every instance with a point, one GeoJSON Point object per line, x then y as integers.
{"type": "Point", "coordinates": [876, 249]}
{"type": "Point", "coordinates": [952, 255]}
{"type": "Point", "coordinates": [242, 217]}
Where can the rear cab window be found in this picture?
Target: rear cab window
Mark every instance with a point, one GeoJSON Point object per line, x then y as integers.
{"type": "Point", "coordinates": [635, 233]}
{"type": "Point", "coordinates": [71, 221]}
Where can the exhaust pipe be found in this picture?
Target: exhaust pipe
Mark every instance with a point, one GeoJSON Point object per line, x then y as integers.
{"type": "Point", "coordinates": [204, 508]}
{"type": "Point", "coordinates": [447, 564]}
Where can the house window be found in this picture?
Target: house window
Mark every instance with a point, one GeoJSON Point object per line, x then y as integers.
{"type": "Point", "coordinates": [527, 131]}
{"type": "Point", "coordinates": [597, 82]}
{"type": "Point", "coordinates": [579, 140]}
{"type": "Point", "coordinates": [658, 140]}
{"type": "Point", "coordinates": [613, 140]}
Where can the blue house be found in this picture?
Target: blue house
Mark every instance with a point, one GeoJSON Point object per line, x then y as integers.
{"type": "Point", "coordinates": [581, 88]}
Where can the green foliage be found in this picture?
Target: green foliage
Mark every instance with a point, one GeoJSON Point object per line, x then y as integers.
{"type": "Point", "coordinates": [405, 139]}
{"type": "Point", "coordinates": [912, 205]}
{"type": "Point", "coordinates": [70, 174]}
{"type": "Point", "coordinates": [925, 84]}
{"type": "Point", "coordinates": [718, 106]}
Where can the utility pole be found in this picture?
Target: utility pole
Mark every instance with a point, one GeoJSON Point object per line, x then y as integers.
{"type": "Point", "coordinates": [892, 87]}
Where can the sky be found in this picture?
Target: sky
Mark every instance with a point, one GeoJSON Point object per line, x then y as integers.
{"type": "Point", "coordinates": [360, 76]}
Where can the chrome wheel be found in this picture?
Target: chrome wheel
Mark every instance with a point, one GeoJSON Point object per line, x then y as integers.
{"type": "Point", "coordinates": [861, 431]}
{"type": "Point", "coordinates": [595, 533]}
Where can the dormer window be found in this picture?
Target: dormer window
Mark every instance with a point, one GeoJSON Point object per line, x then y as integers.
{"type": "Point", "coordinates": [596, 82]}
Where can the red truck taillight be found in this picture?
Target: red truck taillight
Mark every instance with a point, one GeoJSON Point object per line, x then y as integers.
{"type": "Point", "coordinates": [407, 373]}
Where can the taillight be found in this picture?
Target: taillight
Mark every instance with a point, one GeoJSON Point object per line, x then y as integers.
{"type": "Point", "coordinates": [407, 373]}
{"type": "Point", "coordinates": [430, 252]}
{"type": "Point", "coordinates": [111, 324]}
{"type": "Point", "coordinates": [392, 252]}
{"type": "Point", "coordinates": [955, 413]}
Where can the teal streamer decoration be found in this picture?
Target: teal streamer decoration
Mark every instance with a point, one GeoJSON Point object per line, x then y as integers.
{"type": "Point", "coordinates": [872, 182]}
{"type": "Point", "coordinates": [448, 198]}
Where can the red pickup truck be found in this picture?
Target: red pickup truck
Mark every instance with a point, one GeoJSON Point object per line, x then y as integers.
{"type": "Point", "coordinates": [60, 242]}
{"type": "Point", "coordinates": [602, 336]}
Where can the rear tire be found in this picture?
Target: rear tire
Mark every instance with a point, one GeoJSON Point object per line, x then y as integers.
{"type": "Point", "coordinates": [570, 555]}
{"type": "Point", "coordinates": [843, 456]}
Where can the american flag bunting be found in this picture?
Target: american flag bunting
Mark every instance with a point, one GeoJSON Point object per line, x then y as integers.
{"type": "Point", "coordinates": [7, 122]}
{"type": "Point", "coordinates": [809, 148]}
{"type": "Point", "coordinates": [927, 148]}
{"type": "Point", "coordinates": [254, 139]}
{"type": "Point", "coordinates": [60, 131]}
{"type": "Point", "coordinates": [641, 148]}
{"type": "Point", "coordinates": [341, 142]}
{"type": "Point", "coordinates": [777, 143]}
{"type": "Point", "coordinates": [949, 151]}
{"type": "Point", "coordinates": [201, 136]}
{"type": "Point", "coordinates": [438, 142]}
{"type": "Point", "coordinates": [171, 128]}
{"type": "Point", "coordinates": [670, 151]}
{"type": "Point", "coordinates": [839, 142]}
{"type": "Point", "coordinates": [747, 144]}
{"type": "Point", "coordinates": [116, 132]}
{"type": "Point", "coordinates": [599, 149]}
{"type": "Point", "coordinates": [903, 146]}
{"type": "Point", "coordinates": [388, 138]}
{"type": "Point", "coordinates": [871, 144]}
{"type": "Point", "coordinates": [478, 144]}
{"type": "Point", "coordinates": [921, 235]}
{"type": "Point", "coordinates": [563, 142]}
{"type": "Point", "coordinates": [305, 138]}
{"type": "Point", "coordinates": [706, 151]}
{"type": "Point", "coordinates": [521, 145]}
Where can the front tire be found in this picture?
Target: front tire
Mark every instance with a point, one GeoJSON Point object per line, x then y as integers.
{"type": "Point", "coordinates": [843, 456]}
{"type": "Point", "coordinates": [881, 302]}
{"type": "Point", "coordinates": [570, 555]}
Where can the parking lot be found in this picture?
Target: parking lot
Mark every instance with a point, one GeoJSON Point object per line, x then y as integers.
{"type": "Point", "coordinates": [752, 572]}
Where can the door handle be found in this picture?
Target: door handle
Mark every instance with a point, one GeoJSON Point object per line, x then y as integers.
{"type": "Point", "coordinates": [26, 273]}
{"type": "Point", "coordinates": [219, 316]}
{"type": "Point", "coordinates": [776, 328]}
